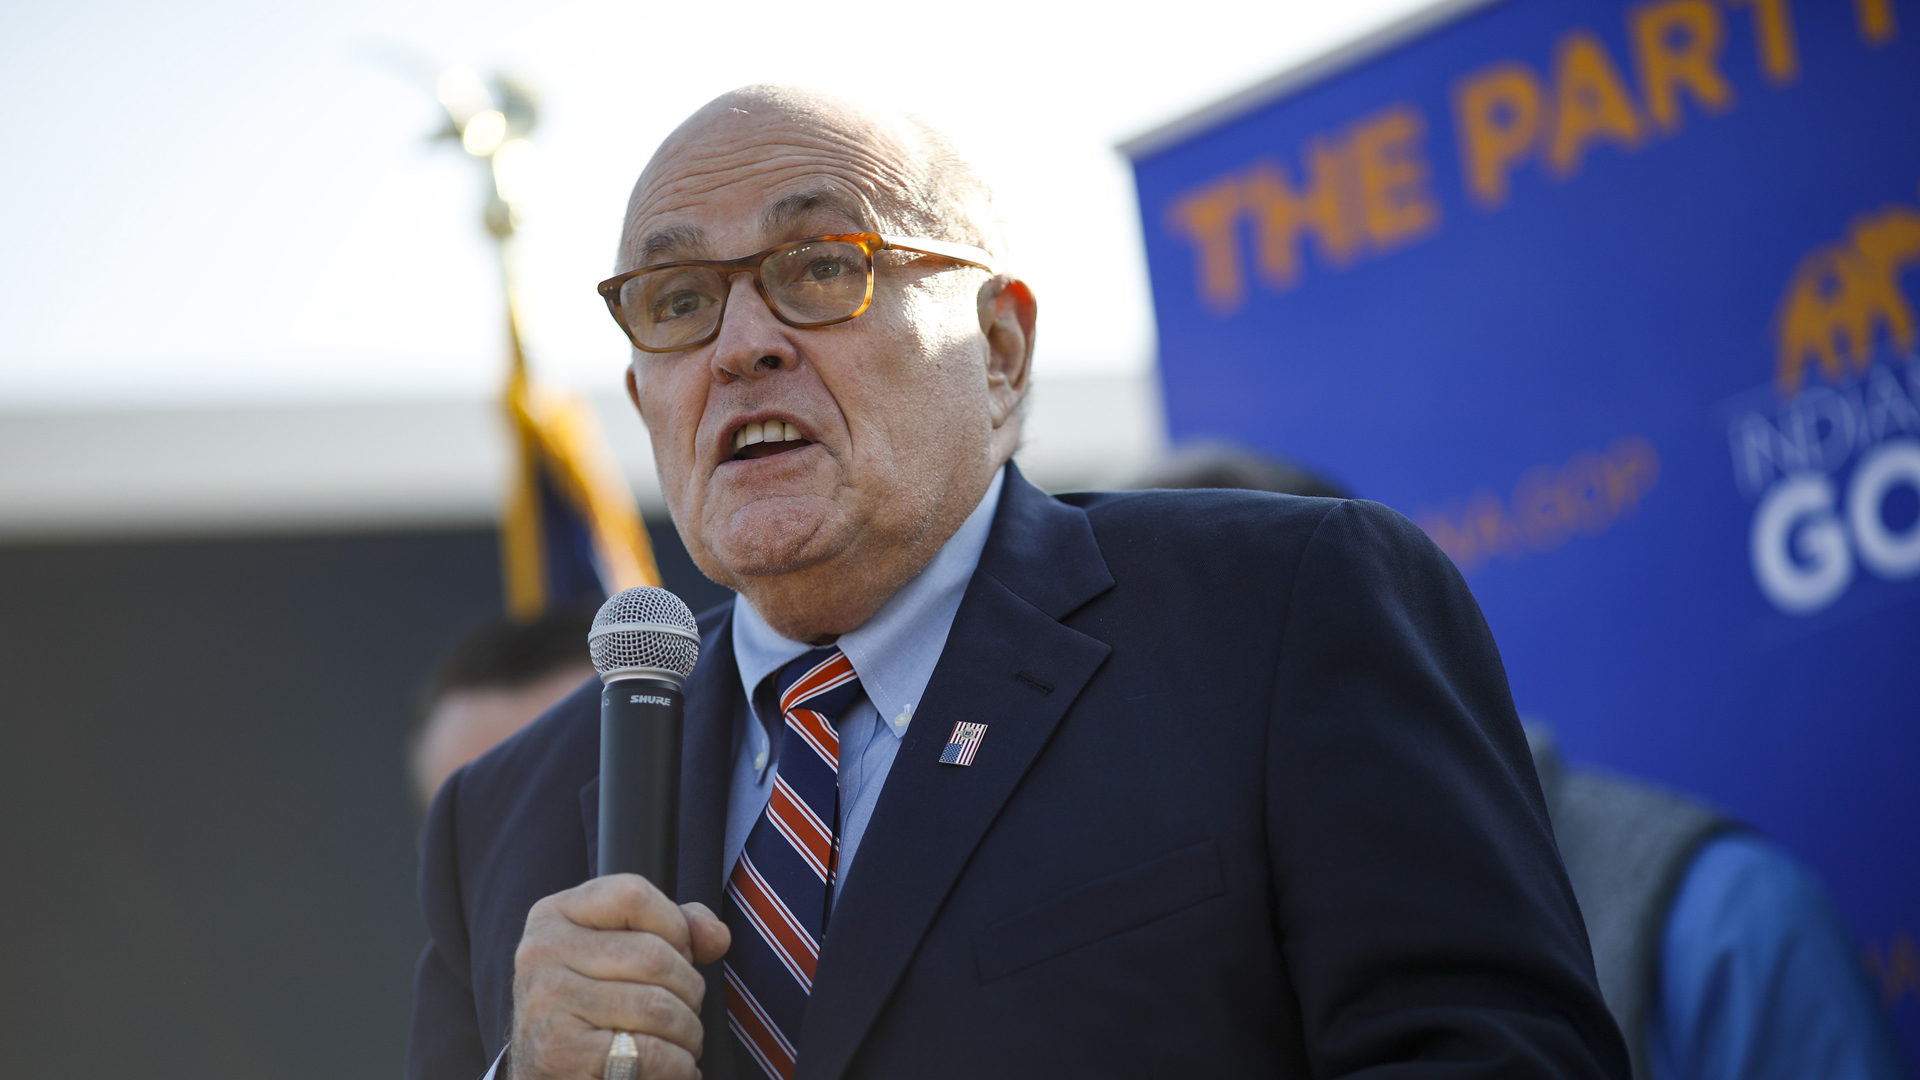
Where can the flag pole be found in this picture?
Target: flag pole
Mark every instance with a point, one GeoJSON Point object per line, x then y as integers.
{"type": "Point", "coordinates": [563, 482]}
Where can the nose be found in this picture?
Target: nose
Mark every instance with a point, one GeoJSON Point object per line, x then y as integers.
{"type": "Point", "coordinates": [752, 342]}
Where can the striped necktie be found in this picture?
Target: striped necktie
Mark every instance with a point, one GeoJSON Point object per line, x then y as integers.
{"type": "Point", "coordinates": [782, 888]}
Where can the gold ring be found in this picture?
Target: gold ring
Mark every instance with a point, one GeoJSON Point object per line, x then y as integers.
{"type": "Point", "coordinates": [623, 1058]}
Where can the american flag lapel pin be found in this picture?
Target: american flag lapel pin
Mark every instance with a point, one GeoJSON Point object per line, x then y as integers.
{"type": "Point", "coordinates": [963, 744]}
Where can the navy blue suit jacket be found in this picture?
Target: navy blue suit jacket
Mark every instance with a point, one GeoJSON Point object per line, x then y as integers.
{"type": "Point", "coordinates": [1252, 801]}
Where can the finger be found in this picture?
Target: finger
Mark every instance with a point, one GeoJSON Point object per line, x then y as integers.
{"type": "Point", "coordinates": [659, 1059]}
{"type": "Point", "coordinates": [583, 1052]}
{"type": "Point", "coordinates": [617, 956]}
{"type": "Point", "coordinates": [624, 902]}
{"type": "Point", "coordinates": [642, 1010]}
{"type": "Point", "coordinates": [710, 936]}
{"type": "Point", "coordinates": [555, 1010]}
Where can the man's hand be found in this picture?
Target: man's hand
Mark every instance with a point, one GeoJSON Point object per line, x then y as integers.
{"type": "Point", "coordinates": [611, 955]}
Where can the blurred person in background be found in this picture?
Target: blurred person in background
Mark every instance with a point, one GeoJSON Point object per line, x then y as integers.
{"type": "Point", "coordinates": [493, 682]}
{"type": "Point", "coordinates": [1212, 463]}
{"type": "Point", "coordinates": [1719, 954]}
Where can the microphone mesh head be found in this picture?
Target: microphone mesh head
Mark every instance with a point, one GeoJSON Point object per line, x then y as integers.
{"type": "Point", "coordinates": [644, 627]}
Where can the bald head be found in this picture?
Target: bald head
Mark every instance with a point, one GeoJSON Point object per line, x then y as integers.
{"type": "Point", "coordinates": [901, 174]}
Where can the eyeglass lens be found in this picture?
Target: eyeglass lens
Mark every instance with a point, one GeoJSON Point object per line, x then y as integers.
{"type": "Point", "coordinates": [678, 306]}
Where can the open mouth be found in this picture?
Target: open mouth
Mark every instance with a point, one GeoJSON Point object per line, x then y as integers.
{"type": "Point", "coordinates": [765, 439]}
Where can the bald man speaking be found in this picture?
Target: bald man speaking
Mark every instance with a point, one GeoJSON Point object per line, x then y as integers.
{"type": "Point", "coordinates": [980, 782]}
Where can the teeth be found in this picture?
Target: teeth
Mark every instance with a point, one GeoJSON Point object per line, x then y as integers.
{"type": "Point", "coordinates": [768, 431]}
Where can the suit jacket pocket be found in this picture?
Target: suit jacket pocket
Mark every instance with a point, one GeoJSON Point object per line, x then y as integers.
{"type": "Point", "coordinates": [1126, 901]}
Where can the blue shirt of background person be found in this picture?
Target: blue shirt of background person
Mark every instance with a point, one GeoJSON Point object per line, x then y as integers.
{"type": "Point", "coordinates": [1760, 979]}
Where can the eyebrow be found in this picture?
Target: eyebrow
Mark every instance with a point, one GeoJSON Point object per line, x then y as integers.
{"type": "Point", "coordinates": [673, 240]}
{"type": "Point", "coordinates": [690, 241]}
{"type": "Point", "coordinates": [792, 209]}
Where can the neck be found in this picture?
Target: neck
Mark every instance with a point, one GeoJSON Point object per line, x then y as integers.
{"type": "Point", "coordinates": [820, 603]}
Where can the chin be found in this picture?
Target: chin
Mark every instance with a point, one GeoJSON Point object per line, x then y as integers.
{"type": "Point", "coordinates": [771, 537]}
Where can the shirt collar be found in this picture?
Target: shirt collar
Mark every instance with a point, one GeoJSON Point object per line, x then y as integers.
{"type": "Point", "coordinates": [894, 651]}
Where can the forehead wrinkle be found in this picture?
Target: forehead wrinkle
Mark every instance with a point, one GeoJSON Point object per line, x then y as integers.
{"type": "Point", "coordinates": [867, 154]}
{"type": "Point", "coordinates": [707, 176]}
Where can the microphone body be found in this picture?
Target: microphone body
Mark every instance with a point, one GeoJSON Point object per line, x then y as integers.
{"type": "Point", "coordinates": [640, 721]}
{"type": "Point", "coordinates": [644, 644]}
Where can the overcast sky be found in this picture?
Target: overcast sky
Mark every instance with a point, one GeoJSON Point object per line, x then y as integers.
{"type": "Point", "coordinates": [219, 201]}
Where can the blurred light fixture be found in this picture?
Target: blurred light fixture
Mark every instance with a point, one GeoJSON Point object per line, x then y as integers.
{"type": "Point", "coordinates": [491, 121]}
{"type": "Point", "coordinates": [513, 166]}
{"type": "Point", "coordinates": [483, 132]}
{"type": "Point", "coordinates": [464, 95]}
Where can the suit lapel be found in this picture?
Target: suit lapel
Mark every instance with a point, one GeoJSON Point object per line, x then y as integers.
{"type": "Point", "coordinates": [1008, 663]}
{"type": "Point", "coordinates": [706, 766]}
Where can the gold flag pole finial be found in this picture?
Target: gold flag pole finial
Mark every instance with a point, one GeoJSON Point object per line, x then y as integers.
{"type": "Point", "coordinates": [492, 125]}
{"type": "Point", "coordinates": [558, 440]}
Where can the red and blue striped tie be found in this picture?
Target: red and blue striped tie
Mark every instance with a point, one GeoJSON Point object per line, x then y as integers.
{"type": "Point", "coordinates": [782, 887]}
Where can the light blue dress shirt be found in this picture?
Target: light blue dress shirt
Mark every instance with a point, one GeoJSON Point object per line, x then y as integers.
{"type": "Point", "coordinates": [894, 653]}
{"type": "Point", "coordinates": [1760, 979]}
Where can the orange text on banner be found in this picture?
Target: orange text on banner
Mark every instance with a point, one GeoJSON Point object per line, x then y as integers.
{"type": "Point", "coordinates": [1582, 497]}
{"type": "Point", "coordinates": [1362, 191]}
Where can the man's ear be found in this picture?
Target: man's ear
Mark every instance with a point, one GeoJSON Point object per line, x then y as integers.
{"type": "Point", "coordinates": [633, 389]}
{"type": "Point", "coordinates": [1007, 315]}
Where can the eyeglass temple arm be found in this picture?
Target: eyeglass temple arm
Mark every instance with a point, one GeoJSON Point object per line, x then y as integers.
{"type": "Point", "coordinates": [963, 253]}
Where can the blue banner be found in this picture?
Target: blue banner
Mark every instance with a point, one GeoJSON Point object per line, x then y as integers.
{"type": "Point", "coordinates": [1620, 303]}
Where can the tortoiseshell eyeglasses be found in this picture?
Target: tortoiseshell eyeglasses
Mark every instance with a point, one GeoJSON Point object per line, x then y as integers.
{"type": "Point", "coordinates": [818, 281]}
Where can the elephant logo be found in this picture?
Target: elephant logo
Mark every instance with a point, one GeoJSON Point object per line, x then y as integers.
{"type": "Point", "coordinates": [1843, 293]}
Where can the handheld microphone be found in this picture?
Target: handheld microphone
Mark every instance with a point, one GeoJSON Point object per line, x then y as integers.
{"type": "Point", "coordinates": [644, 643]}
